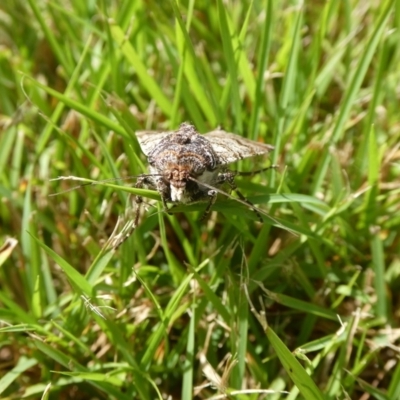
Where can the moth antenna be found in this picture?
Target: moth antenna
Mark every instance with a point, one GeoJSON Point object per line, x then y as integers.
{"type": "Point", "coordinates": [251, 173]}
{"type": "Point", "coordinates": [86, 183]}
{"type": "Point", "coordinates": [240, 201]}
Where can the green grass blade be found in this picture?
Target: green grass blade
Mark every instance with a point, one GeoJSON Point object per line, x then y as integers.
{"type": "Point", "coordinates": [79, 283]}
{"type": "Point", "coordinates": [23, 364]}
{"type": "Point", "coordinates": [354, 87]}
{"type": "Point", "coordinates": [146, 80]}
{"type": "Point", "coordinates": [293, 368]}
{"type": "Point", "coordinates": [232, 67]}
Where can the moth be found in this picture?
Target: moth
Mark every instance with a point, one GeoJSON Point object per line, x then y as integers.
{"type": "Point", "coordinates": [187, 167]}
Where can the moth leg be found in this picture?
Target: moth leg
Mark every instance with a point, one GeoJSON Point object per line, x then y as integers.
{"type": "Point", "coordinates": [163, 189]}
{"type": "Point", "coordinates": [213, 197]}
{"type": "Point", "coordinates": [252, 173]}
{"type": "Point", "coordinates": [229, 178]}
{"type": "Point", "coordinates": [131, 225]}
{"type": "Point", "coordinates": [142, 180]}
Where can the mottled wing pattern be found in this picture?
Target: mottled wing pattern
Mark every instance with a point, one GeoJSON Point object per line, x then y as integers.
{"type": "Point", "coordinates": [230, 147]}
{"type": "Point", "coordinates": [148, 140]}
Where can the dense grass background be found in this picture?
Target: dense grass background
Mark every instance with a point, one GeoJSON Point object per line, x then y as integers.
{"type": "Point", "coordinates": [168, 315]}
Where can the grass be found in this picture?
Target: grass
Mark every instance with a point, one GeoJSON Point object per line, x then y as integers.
{"type": "Point", "coordinates": [302, 308]}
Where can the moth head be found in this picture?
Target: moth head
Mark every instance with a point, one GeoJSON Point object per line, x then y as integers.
{"type": "Point", "coordinates": [180, 182]}
{"type": "Point", "coordinates": [178, 177]}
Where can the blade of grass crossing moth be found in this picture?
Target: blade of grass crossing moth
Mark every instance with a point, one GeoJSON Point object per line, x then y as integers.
{"type": "Point", "coordinates": [232, 68]}
{"type": "Point", "coordinates": [145, 79]}
{"type": "Point", "coordinates": [188, 365]}
{"type": "Point", "coordinates": [287, 91]}
{"type": "Point", "coordinates": [352, 91]}
{"type": "Point", "coordinates": [139, 192]}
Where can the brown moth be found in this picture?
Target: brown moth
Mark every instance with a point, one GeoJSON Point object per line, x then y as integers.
{"type": "Point", "coordinates": [186, 167]}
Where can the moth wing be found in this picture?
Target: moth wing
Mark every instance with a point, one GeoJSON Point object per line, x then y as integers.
{"type": "Point", "coordinates": [148, 140]}
{"type": "Point", "coordinates": [230, 147]}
